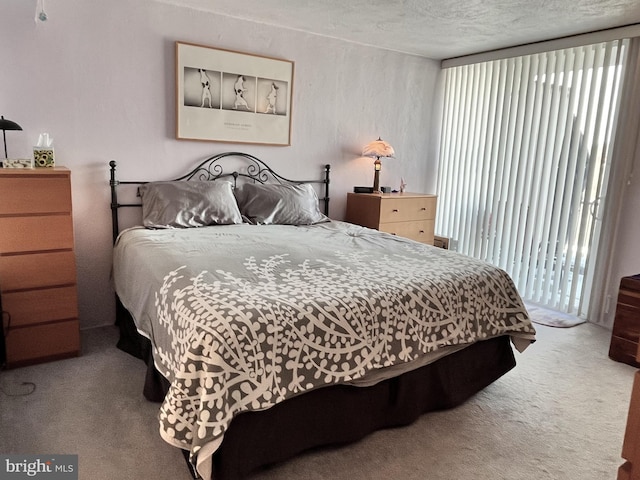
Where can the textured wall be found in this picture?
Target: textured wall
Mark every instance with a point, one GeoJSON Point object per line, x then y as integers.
{"type": "Point", "coordinates": [99, 77]}
{"type": "Point", "coordinates": [626, 250]}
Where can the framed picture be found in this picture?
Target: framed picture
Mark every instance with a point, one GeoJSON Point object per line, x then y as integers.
{"type": "Point", "coordinates": [228, 96]}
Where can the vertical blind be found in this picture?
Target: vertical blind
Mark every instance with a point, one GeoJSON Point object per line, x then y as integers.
{"type": "Point", "coordinates": [524, 159]}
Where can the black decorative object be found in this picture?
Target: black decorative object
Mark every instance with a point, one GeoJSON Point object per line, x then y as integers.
{"type": "Point", "coordinates": [7, 125]}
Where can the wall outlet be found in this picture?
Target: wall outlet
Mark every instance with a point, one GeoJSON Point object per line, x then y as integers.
{"type": "Point", "coordinates": [607, 304]}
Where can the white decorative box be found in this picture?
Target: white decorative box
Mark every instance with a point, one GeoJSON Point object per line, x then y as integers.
{"type": "Point", "coordinates": [17, 163]}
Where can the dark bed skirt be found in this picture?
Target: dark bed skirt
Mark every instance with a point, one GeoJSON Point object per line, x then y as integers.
{"type": "Point", "coordinates": [338, 414]}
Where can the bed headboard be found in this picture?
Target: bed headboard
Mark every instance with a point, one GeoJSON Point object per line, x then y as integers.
{"type": "Point", "coordinates": [222, 165]}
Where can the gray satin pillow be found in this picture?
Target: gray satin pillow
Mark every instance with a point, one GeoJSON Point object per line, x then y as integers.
{"type": "Point", "coordinates": [185, 204]}
{"type": "Point", "coordinates": [280, 204]}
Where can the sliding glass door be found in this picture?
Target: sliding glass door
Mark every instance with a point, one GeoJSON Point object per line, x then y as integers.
{"type": "Point", "coordinates": [525, 154]}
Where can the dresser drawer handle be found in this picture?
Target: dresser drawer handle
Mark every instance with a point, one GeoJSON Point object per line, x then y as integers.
{"type": "Point", "coordinates": [395, 210]}
{"type": "Point", "coordinates": [421, 231]}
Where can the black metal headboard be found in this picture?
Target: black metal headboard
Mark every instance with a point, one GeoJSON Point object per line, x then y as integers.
{"type": "Point", "coordinates": [212, 169]}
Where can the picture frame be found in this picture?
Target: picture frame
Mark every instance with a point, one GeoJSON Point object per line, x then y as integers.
{"type": "Point", "coordinates": [233, 97]}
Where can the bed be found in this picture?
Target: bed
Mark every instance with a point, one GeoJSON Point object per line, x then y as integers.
{"type": "Point", "coordinates": [269, 329]}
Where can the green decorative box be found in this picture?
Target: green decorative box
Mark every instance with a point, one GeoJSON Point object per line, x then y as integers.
{"type": "Point", "coordinates": [43, 157]}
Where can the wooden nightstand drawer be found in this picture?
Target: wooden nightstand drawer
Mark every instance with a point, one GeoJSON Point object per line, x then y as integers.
{"type": "Point", "coordinates": [40, 306]}
{"type": "Point", "coordinates": [19, 272]}
{"type": "Point", "coordinates": [43, 342]}
{"type": "Point", "coordinates": [418, 231]}
{"type": "Point", "coordinates": [409, 215]}
{"type": "Point", "coordinates": [407, 209]}
{"type": "Point", "coordinates": [36, 233]}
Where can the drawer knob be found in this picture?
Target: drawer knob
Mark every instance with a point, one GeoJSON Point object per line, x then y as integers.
{"type": "Point", "coordinates": [423, 209]}
{"type": "Point", "coordinates": [395, 210]}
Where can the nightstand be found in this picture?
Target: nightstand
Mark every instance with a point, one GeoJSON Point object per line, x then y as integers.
{"type": "Point", "coordinates": [37, 265]}
{"type": "Point", "coordinates": [410, 215]}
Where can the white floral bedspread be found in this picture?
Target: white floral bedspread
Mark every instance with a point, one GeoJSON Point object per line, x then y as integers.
{"type": "Point", "coordinates": [242, 317]}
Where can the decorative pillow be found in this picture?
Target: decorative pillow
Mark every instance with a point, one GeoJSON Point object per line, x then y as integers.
{"type": "Point", "coordinates": [184, 204]}
{"type": "Point", "coordinates": [280, 204]}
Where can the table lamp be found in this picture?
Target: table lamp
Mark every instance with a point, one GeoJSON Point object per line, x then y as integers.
{"type": "Point", "coordinates": [377, 149]}
{"type": "Point", "coordinates": [7, 125]}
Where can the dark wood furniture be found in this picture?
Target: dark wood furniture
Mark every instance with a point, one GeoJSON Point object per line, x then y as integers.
{"type": "Point", "coordinates": [626, 327]}
{"type": "Point", "coordinates": [630, 470]}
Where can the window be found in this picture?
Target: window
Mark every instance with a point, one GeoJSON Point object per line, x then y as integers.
{"type": "Point", "coordinates": [524, 160]}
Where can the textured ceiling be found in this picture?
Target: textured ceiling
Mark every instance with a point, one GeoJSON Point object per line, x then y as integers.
{"type": "Point", "coordinates": [431, 28]}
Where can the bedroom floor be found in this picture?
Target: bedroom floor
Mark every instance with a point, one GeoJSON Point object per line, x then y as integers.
{"type": "Point", "coordinates": [560, 414]}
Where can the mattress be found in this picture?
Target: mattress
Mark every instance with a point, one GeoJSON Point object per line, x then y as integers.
{"type": "Point", "coordinates": [243, 317]}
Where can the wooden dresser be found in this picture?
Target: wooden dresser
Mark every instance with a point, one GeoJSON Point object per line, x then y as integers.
{"type": "Point", "coordinates": [630, 469]}
{"type": "Point", "coordinates": [626, 326]}
{"type": "Point", "coordinates": [410, 215]}
{"type": "Point", "coordinates": [37, 265]}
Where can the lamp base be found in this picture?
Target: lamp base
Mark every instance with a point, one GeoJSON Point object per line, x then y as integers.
{"type": "Point", "coordinates": [376, 175]}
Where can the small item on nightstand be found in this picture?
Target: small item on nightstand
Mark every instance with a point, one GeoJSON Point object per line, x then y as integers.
{"type": "Point", "coordinates": [385, 189]}
{"type": "Point", "coordinates": [18, 163]}
{"type": "Point", "coordinates": [43, 152]}
{"type": "Point", "coordinates": [403, 185]}
{"type": "Point", "coordinates": [362, 189]}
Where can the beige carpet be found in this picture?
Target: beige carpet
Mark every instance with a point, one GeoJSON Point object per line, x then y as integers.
{"type": "Point", "coordinates": [559, 415]}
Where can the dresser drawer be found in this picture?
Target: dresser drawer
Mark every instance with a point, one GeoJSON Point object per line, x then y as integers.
{"type": "Point", "coordinates": [43, 342]}
{"type": "Point", "coordinates": [627, 322]}
{"type": "Point", "coordinates": [37, 265]}
{"type": "Point", "coordinates": [18, 272]}
{"type": "Point", "coordinates": [40, 306]}
{"type": "Point", "coordinates": [34, 194]}
{"type": "Point", "coordinates": [410, 215]}
{"type": "Point", "coordinates": [421, 231]}
{"type": "Point", "coordinates": [629, 298]}
{"type": "Point", "coordinates": [36, 233]}
{"type": "Point", "coordinates": [623, 350]}
{"type": "Point", "coordinates": [406, 209]}
{"type": "Point", "coordinates": [626, 325]}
